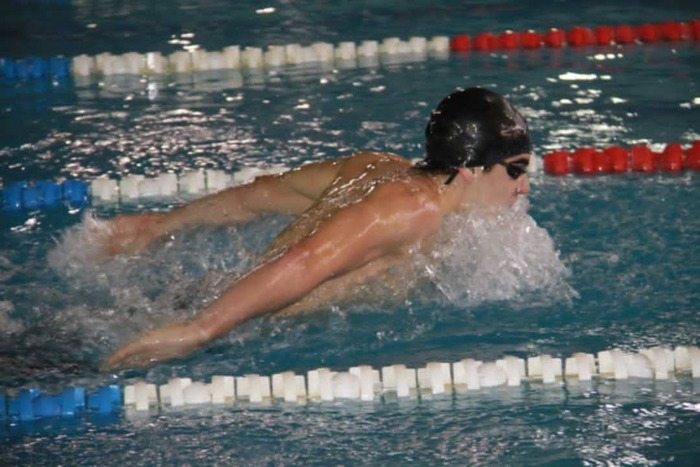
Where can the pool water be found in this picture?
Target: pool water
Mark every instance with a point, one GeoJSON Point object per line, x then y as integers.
{"type": "Point", "coordinates": [585, 265]}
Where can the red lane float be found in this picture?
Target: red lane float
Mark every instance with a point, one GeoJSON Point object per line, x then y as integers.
{"type": "Point", "coordinates": [648, 32]}
{"type": "Point", "coordinates": [557, 163]}
{"type": "Point", "coordinates": [554, 38]}
{"type": "Point", "coordinates": [695, 29]}
{"type": "Point", "coordinates": [624, 34]}
{"type": "Point", "coordinates": [673, 31]}
{"type": "Point", "coordinates": [484, 41]}
{"type": "Point", "coordinates": [692, 157]}
{"type": "Point", "coordinates": [617, 159]}
{"type": "Point", "coordinates": [461, 43]}
{"type": "Point", "coordinates": [580, 36]}
{"type": "Point", "coordinates": [531, 39]}
{"type": "Point", "coordinates": [671, 159]}
{"type": "Point", "coordinates": [582, 161]}
{"type": "Point", "coordinates": [642, 159]}
{"type": "Point", "coordinates": [603, 35]}
{"type": "Point", "coordinates": [509, 40]}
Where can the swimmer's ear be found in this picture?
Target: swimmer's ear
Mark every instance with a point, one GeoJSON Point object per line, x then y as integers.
{"type": "Point", "coordinates": [465, 174]}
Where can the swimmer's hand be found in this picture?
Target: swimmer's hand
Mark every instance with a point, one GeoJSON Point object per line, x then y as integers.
{"type": "Point", "coordinates": [172, 341]}
{"type": "Point", "coordinates": [129, 234]}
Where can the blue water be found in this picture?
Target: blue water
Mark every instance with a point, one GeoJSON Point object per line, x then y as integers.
{"type": "Point", "coordinates": [629, 243]}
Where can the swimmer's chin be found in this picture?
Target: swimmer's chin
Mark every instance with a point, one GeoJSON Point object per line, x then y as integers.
{"type": "Point", "coordinates": [517, 197]}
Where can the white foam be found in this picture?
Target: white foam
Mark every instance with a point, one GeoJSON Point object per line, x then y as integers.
{"type": "Point", "coordinates": [7, 324]}
{"type": "Point", "coordinates": [170, 280]}
{"type": "Point", "coordinates": [495, 255]}
{"type": "Point", "coordinates": [80, 245]}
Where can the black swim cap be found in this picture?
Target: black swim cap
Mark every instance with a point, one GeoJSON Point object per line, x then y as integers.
{"type": "Point", "coordinates": [473, 127]}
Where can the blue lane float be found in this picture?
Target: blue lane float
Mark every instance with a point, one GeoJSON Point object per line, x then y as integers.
{"type": "Point", "coordinates": [22, 195]}
{"type": "Point", "coordinates": [72, 401]}
{"type": "Point", "coordinates": [107, 399]}
{"type": "Point", "coordinates": [35, 68]}
{"type": "Point", "coordinates": [31, 404]}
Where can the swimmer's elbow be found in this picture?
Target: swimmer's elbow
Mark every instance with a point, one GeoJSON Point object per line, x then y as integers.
{"type": "Point", "coordinates": [266, 289]}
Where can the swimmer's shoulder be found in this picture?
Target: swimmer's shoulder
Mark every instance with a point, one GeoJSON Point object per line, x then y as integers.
{"type": "Point", "coordinates": [403, 191]}
{"type": "Point", "coordinates": [374, 157]}
{"type": "Point", "coordinates": [374, 164]}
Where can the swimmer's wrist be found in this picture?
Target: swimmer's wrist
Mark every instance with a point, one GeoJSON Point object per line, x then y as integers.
{"type": "Point", "coordinates": [199, 334]}
{"type": "Point", "coordinates": [163, 225]}
{"type": "Point", "coordinates": [173, 221]}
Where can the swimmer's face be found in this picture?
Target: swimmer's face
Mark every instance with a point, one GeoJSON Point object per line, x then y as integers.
{"type": "Point", "coordinates": [502, 183]}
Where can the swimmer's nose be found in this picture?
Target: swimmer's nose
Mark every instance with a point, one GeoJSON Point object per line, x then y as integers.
{"type": "Point", "coordinates": [524, 187]}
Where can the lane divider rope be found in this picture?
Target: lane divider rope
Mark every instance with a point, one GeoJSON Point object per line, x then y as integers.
{"type": "Point", "coordinates": [579, 36]}
{"type": "Point", "coordinates": [235, 57]}
{"type": "Point", "coordinates": [23, 195]}
{"type": "Point", "coordinates": [344, 53]}
{"type": "Point", "coordinates": [360, 383]}
{"type": "Point", "coordinates": [618, 159]}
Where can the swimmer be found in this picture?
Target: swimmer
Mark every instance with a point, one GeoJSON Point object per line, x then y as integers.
{"type": "Point", "coordinates": [356, 218]}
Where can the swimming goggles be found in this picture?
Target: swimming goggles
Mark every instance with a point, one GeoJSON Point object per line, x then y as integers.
{"type": "Point", "coordinates": [515, 168]}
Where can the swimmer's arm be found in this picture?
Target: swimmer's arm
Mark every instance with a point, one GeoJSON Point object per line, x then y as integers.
{"type": "Point", "coordinates": [351, 238]}
{"type": "Point", "coordinates": [291, 192]}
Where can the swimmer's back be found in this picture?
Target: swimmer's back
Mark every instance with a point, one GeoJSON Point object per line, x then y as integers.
{"type": "Point", "coordinates": [353, 179]}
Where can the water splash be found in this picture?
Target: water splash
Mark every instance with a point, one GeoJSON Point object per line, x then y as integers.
{"type": "Point", "coordinates": [479, 257]}
{"type": "Point", "coordinates": [110, 299]}
{"type": "Point", "coordinates": [80, 246]}
{"type": "Point", "coordinates": [496, 255]}
{"type": "Point", "coordinates": [8, 325]}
